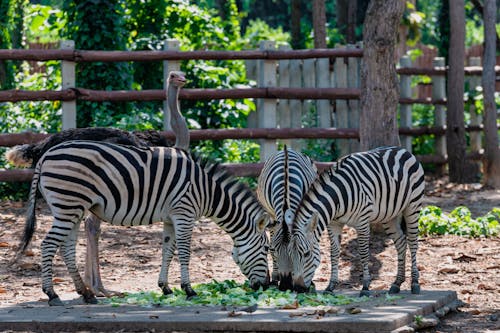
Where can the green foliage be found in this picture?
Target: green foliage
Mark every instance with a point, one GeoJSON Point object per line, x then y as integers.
{"type": "Point", "coordinates": [43, 116]}
{"type": "Point", "coordinates": [258, 30]}
{"type": "Point", "coordinates": [43, 23]}
{"type": "Point", "coordinates": [459, 222]}
{"type": "Point", "coordinates": [6, 25]}
{"type": "Point", "coordinates": [231, 293]}
{"type": "Point", "coordinates": [99, 25]}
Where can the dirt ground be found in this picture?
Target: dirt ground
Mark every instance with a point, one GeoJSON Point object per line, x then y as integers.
{"type": "Point", "coordinates": [130, 259]}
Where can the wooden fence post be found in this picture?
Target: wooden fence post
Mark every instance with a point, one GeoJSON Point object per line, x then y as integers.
{"type": "Point", "coordinates": [266, 108]}
{"type": "Point", "coordinates": [353, 76]}
{"type": "Point", "coordinates": [405, 119]}
{"type": "Point", "coordinates": [341, 106]}
{"type": "Point", "coordinates": [439, 93]}
{"type": "Point", "coordinates": [168, 66]}
{"type": "Point", "coordinates": [305, 108]}
{"type": "Point", "coordinates": [476, 118]}
{"type": "Point", "coordinates": [284, 113]}
{"type": "Point", "coordinates": [68, 81]}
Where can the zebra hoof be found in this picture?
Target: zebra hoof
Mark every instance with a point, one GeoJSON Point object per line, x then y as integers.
{"type": "Point", "coordinates": [364, 292]}
{"type": "Point", "coordinates": [90, 299]}
{"type": "Point", "coordinates": [56, 301]}
{"type": "Point", "coordinates": [395, 289]}
{"type": "Point", "coordinates": [166, 290]}
{"type": "Point", "coordinates": [190, 293]}
{"type": "Point", "coordinates": [415, 288]}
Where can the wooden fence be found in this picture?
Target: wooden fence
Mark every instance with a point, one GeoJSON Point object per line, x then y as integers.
{"type": "Point", "coordinates": [319, 85]}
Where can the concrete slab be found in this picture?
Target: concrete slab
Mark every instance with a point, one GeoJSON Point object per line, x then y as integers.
{"type": "Point", "coordinates": [375, 315]}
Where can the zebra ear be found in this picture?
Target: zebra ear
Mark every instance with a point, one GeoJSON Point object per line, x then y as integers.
{"type": "Point", "coordinates": [289, 216]}
{"type": "Point", "coordinates": [235, 255]}
{"type": "Point", "coordinates": [313, 223]}
{"type": "Point", "coordinates": [263, 222]}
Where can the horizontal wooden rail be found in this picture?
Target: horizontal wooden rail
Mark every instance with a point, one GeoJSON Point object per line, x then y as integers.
{"type": "Point", "coordinates": [115, 56]}
{"type": "Point", "coordinates": [9, 140]}
{"type": "Point", "coordinates": [187, 94]}
{"type": "Point", "coordinates": [193, 94]}
{"type": "Point", "coordinates": [237, 169]}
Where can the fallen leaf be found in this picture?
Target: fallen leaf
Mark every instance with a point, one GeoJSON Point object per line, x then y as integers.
{"type": "Point", "coordinates": [464, 257]}
{"type": "Point", "coordinates": [296, 314]}
{"type": "Point", "coordinates": [483, 286]}
{"type": "Point", "coordinates": [4, 244]}
{"type": "Point", "coordinates": [448, 270]}
{"type": "Point", "coordinates": [234, 314]}
{"type": "Point", "coordinates": [153, 317]}
{"type": "Point", "coordinates": [353, 310]}
{"type": "Point", "coordinates": [3, 290]}
{"type": "Point", "coordinates": [29, 253]}
{"type": "Point", "coordinates": [30, 265]}
{"type": "Point", "coordinates": [58, 280]}
{"type": "Point", "coordinates": [294, 305]}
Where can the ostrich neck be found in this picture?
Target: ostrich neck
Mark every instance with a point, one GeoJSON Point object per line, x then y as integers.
{"type": "Point", "coordinates": [177, 121]}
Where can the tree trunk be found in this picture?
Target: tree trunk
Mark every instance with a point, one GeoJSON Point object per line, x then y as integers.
{"type": "Point", "coordinates": [379, 82]}
{"type": "Point", "coordinates": [350, 36]}
{"type": "Point", "coordinates": [491, 159]}
{"type": "Point", "coordinates": [341, 16]}
{"type": "Point", "coordinates": [319, 24]}
{"type": "Point", "coordinates": [458, 167]}
{"type": "Point", "coordinates": [295, 24]}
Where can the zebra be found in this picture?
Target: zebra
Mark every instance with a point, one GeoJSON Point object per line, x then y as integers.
{"type": "Point", "coordinates": [127, 186]}
{"type": "Point", "coordinates": [284, 179]}
{"type": "Point", "coordinates": [379, 185]}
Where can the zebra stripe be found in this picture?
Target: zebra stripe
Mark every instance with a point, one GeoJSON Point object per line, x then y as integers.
{"type": "Point", "coordinates": [130, 186]}
{"type": "Point", "coordinates": [284, 179]}
{"type": "Point", "coordinates": [383, 185]}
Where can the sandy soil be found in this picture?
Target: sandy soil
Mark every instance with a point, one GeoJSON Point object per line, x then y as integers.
{"type": "Point", "coordinates": [130, 259]}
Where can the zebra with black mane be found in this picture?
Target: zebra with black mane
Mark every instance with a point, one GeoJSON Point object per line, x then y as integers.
{"type": "Point", "coordinates": [128, 186]}
{"type": "Point", "coordinates": [284, 179]}
{"type": "Point", "coordinates": [383, 185]}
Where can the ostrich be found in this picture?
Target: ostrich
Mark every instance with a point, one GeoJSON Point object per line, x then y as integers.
{"type": "Point", "coordinates": [28, 155]}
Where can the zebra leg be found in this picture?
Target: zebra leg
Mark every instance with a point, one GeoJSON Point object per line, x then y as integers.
{"type": "Point", "coordinates": [68, 251]}
{"type": "Point", "coordinates": [395, 232]}
{"type": "Point", "coordinates": [275, 273]}
{"type": "Point", "coordinates": [57, 235]}
{"type": "Point", "coordinates": [168, 249]}
{"type": "Point", "coordinates": [334, 233]}
{"type": "Point", "coordinates": [363, 231]}
{"type": "Point", "coordinates": [183, 233]}
{"type": "Point", "coordinates": [411, 218]}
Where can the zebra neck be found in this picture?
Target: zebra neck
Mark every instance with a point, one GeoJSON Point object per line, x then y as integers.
{"type": "Point", "coordinates": [234, 208]}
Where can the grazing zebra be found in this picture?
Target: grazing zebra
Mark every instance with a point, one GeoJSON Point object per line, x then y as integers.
{"type": "Point", "coordinates": [126, 185]}
{"type": "Point", "coordinates": [379, 185]}
{"type": "Point", "coordinates": [284, 179]}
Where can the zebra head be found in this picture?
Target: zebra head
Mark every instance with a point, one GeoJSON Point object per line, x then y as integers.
{"type": "Point", "coordinates": [305, 252]}
{"type": "Point", "coordinates": [251, 255]}
{"type": "Point", "coordinates": [280, 239]}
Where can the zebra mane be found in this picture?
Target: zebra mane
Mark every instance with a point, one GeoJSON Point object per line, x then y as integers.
{"type": "Point", "coordinates": [220, 174]}
{"type": "Point", "coordinates": [286, 194]}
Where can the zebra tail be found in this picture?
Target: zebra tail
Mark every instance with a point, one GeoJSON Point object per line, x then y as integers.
{"type": "Point", "coordinates": [29, 226]}
{"type": "Point", "coordinates": [21, 156]}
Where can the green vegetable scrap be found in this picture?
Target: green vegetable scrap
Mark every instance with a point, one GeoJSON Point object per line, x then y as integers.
{"type": "Point", "coordinates": [459, 222]}
{"type": "Point", "coordinates": [231, 293]}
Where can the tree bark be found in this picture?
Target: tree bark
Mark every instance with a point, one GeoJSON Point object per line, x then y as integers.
{"type": "Point", "coordinates": [319, 24]}
{"type": "Point", "coordinates": [491, 159]}
{"type": "Point", "coordinates": [379, 82]}
{"type": "Point", "coordinates": [350, 36]}
{"type": "Point", "coordinates": [458, 167]}
{"type": "Point", "coordinates": [295, 25]}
